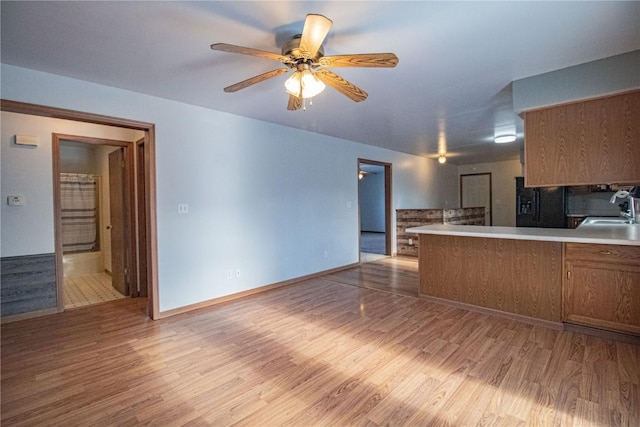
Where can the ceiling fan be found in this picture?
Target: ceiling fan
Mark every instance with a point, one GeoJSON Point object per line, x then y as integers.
{"type": "Point", "coordinates": [304, 54]}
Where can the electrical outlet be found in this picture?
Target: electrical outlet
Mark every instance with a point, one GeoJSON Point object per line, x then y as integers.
{"type": "Point", "coordinates": [183, 208]}
{"type": "Point", "coordinates": [229, 274]}
{"type": "Point", "coordinates": [15, 200]}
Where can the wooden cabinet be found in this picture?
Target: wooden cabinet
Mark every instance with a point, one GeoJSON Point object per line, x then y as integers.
{"type": "Point", "coordinates": [589, 142]}
{"type": "Point", "coordinates": [602, 286]}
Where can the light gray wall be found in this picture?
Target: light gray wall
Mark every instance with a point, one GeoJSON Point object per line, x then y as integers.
{"type": "Point", "coordinates": [372, 202]}
{"type": "Point", "coordinates": [605, 76]}
{"type": "Point", "coordinates": [274, 202]}
{"type": "Point", "coordinates": [78, 159]}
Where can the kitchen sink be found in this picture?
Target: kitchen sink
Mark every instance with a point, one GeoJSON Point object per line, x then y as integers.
{"type": "Point", "coordinates": [593, 220]}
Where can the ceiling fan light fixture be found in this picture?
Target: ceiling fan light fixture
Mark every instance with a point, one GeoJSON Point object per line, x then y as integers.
{"type": "Point", "coordinates": [303, 84]}
{"type": "Point", "coordinates": [442, 159]}
{"type": "Point", "coordinates": [503, 139]}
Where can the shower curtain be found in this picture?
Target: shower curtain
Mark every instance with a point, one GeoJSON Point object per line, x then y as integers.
{"type": "Point", "coordinates": [79, 203]}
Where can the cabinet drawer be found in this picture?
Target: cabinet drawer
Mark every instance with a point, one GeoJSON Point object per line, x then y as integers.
{"type": "Point", "coordinates": [618, 254]}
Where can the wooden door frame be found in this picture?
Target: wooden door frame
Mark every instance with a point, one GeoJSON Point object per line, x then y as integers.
{"type": "Point", "coordinates": [150, 177]}
{"type": "Point", "coordinates": [490, 192]}
{"type": "Point", "coordinates": [387, 203]}
{"type": "Point", "coordinates": [130, 262]}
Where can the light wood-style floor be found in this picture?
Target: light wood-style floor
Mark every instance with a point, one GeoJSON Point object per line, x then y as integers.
{"type": "Point", "coordinates": [323, 352]}
{"type": "Point", "coordinates": [398, 275]}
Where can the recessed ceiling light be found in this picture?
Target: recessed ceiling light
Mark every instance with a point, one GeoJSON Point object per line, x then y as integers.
{"type": "Point", "coordinates": [503, 139]}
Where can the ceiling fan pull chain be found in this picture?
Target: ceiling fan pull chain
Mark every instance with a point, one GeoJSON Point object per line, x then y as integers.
{"type": "Point", "coordinates": [304, 104]}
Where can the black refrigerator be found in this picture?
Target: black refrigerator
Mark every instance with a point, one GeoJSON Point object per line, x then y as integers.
{"type": "Point", "coordinates": [540, 207]}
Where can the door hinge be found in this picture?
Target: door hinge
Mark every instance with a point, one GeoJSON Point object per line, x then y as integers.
{"type": "Point", "coordinates": [126, 272]}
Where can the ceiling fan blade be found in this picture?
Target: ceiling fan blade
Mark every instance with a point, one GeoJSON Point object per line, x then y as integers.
{"type": "Point", "coordinates": [257, 79]}
{"type": "Point", "coordinates": [316, 28]}
{"type": "Point", "coordinates": [384, 60]}
{"type": "Point", "coordinates": [294, 103]}
{"type": "Point", "coordinates": [224, 47]}
{"type": "Point", "coordinates": [341, 85]}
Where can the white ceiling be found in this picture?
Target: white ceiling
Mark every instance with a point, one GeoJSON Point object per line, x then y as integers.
{"type": "Point", "coordinates": [452, 84]}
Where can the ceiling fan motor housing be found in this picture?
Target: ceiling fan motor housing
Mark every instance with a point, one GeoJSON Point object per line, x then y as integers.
{"type": "Point", "coordinates": [292, 48]}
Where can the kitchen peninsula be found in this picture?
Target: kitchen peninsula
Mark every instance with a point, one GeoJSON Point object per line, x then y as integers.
{"type": "Point", "coordinates": [588, 276]}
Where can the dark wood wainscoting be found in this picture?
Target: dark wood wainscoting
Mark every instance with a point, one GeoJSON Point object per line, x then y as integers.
{"type": "Point", "coordinates": [28, 284]}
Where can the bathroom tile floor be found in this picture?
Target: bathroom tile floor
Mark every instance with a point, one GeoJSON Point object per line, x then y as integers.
{"type": "Point", "coordinates": [88, 289]}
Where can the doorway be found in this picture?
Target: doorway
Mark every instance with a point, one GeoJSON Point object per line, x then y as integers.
{"type": "Point", "coordinates": [374, 209]}
{"type": "Point", "coordinates": [475, 191]}
{"type": "Point", "coordinates": [93, 196]}
{"type": "Point", "coordinates": [148, 165]}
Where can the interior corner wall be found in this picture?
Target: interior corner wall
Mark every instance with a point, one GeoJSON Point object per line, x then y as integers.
{"type": "Point", "coordinates": [273, 202]}
{"type": "Point", "coordinates": [503, 188]}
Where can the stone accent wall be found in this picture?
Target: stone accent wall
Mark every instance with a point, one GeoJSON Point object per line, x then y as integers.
{"type": "Point", "coordinates": [463, 216]}
{"type": "Point", "coordinates": [407, 243]}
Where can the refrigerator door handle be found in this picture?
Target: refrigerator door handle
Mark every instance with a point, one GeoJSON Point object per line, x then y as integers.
{"type": "Point", "coordinates": [536, 204]}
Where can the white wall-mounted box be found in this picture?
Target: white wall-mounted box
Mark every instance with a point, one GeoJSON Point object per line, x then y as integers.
{"type": "Point", "coordinates": [31, 141]}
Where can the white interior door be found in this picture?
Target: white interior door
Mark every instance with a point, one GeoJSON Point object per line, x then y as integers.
{"type": "Point", "coordinates": [475, 191]}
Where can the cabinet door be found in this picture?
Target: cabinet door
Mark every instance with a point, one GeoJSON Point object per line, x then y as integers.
{"type": "Point", "coordinates": [588, 142]}
{"type": "Point", "coordinates": [603, 295]}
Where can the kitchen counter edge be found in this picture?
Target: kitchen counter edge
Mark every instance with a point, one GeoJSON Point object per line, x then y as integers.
{"type": "Point", "coordinates": [604, 235]}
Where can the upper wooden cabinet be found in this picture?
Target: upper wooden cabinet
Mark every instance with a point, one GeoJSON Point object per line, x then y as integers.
{"type": "Point", "coordinates": [588, 142]}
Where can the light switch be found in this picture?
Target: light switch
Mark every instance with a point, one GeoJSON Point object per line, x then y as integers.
{"type": "Point", "coordinates": [183, 208]}
{"type": "Point", "coordinates": [16, 200]}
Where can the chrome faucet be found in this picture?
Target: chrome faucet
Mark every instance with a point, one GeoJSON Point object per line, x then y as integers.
{"type": "Point", "coordinates": [631, 195]}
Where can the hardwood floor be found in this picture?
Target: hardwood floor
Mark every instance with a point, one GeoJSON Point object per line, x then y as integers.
{"type": "Point", "coordinates": [323, 352]}
{"type": "Point", "coordinates": [398, 275]}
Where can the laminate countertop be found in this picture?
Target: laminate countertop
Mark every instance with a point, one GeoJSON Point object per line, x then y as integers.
{"type": "Point", "coordinates": [606, 235]}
